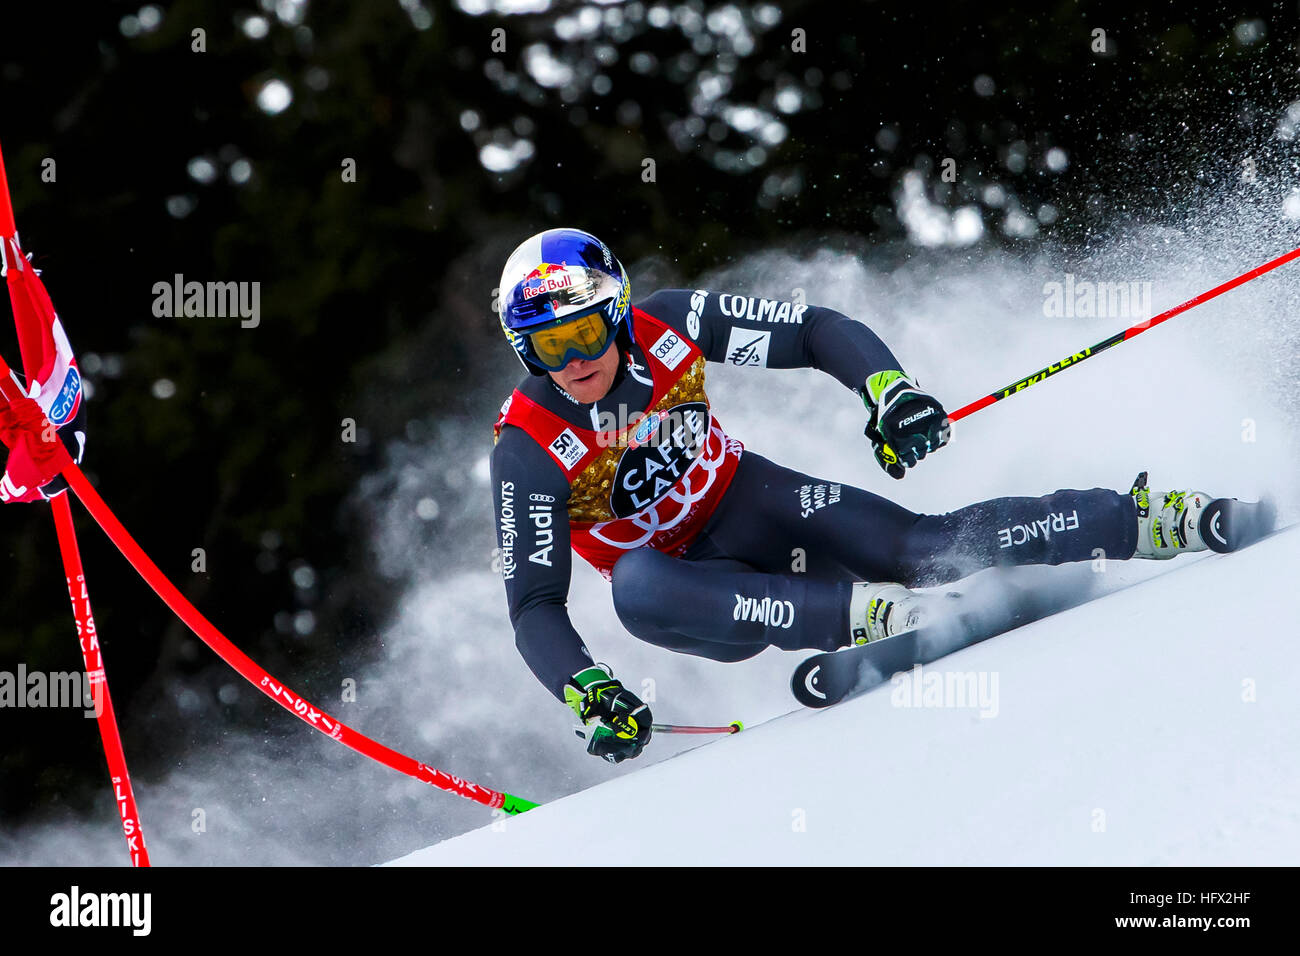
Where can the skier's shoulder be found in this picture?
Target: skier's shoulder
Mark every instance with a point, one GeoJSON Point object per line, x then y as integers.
{"type": "Point", "coordinates": [516, 452]}
{"type": "Point", "coordinates": [666, 301]}
{"type": "Point", "coordinates": [673, 307]}
{"type": "Point", "coordinates": [518, 458]}
{"type": "Point", "coordinates": [681, 310]}
{"type": "Point", "coordinates": [705, 314]}
{"type": "Point", "coordinates": [504, 427]}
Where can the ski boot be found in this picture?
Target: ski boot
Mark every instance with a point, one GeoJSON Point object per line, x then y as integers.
{"type": "Point", "coordinates": [1181, 522]}
{"type": "Point", "coordinates": [878, 611]}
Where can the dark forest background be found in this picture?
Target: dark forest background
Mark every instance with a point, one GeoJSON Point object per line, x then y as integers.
{"type": "Point", "coordinates": [376, 295]}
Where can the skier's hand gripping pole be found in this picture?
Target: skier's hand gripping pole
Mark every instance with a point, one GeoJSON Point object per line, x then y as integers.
{"type": "Point", "coordinates": [615, 723]}
{"type": "Point", "coordinates": [905, 423]}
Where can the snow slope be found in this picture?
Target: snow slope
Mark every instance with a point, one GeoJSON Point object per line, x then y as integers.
{"type": "Point", "coordinates": [1158, 724]}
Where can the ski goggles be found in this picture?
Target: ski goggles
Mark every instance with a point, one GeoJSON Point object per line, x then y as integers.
{"type": "Point", "coordinates": [586, 337]}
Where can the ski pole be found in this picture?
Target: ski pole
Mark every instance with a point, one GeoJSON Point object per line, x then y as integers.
{"type": "Point", "coordinates": [734, 727]}
{"type": "Point", "coordinates": [1072, 360]}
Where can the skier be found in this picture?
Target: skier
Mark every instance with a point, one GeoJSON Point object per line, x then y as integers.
{"type": "Point", "coordinates": [610, 447]}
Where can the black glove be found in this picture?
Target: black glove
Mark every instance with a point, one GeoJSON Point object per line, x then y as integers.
{"type": "Point", "coordinates": [906, 424]}
{"type": "Point", "coordinates": [615, 724]}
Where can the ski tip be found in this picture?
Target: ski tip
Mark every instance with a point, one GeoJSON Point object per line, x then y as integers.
{"type": "Point", "coordinates": [806, 684]}
{"type": "Point", "coordinates": [1230, 525]}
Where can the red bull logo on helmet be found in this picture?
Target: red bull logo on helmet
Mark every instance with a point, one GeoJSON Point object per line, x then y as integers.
{"type": "Point", "coordinates": [547, 277]}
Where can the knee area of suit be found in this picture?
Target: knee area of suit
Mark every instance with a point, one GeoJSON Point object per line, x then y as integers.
{"type": "Point", "coordinates": [637, 586]}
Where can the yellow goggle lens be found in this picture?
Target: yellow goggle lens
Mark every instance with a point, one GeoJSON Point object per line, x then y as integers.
{"type": "Point", "coordinates": [586, 335]}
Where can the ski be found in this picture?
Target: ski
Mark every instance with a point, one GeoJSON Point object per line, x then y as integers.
{"type": "Point", "coordinates": [1230, 525]}
{"type": "Point", "coordinates": [999, 606]}
{"type": "Point", "coordinates": [829, 677]}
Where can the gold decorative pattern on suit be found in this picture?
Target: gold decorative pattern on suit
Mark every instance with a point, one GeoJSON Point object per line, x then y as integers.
{"type": "Point", "coordinates": [589, 490]}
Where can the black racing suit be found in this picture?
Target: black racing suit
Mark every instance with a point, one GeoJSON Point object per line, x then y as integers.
{"type": "Point", "coordinates": [777, 534]}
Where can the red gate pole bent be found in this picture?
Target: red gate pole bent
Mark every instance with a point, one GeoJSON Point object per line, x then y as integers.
{"type": "Point", "coordinates": [248, 668]}
{"type": "Point", "coordinates": [252, 672]}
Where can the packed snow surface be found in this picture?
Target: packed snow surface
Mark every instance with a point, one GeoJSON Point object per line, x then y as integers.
{"type": "Point", "coordinates": [1158, 724]}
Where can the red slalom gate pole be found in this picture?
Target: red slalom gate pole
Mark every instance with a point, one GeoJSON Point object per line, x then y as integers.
{"type": "Point", "coordinates": [78, 593]}
{"type": "Point", "coordinates": [252, 672]}
{"type": "Point", "coordinates": [1072, 360]}
{"type": "Point", "coordinates": [247, 668]}
{"type": "Point", "coordinates": [123, 794]}
{"type": "Point", "coordinates": [11, 390]}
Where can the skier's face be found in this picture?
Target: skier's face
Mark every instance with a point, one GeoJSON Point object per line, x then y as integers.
{"type": "Point", "coordinates": [588, 380]}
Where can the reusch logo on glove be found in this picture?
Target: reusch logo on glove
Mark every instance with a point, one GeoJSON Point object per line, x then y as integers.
{"type": "Point", "coordinates": [929, 410]}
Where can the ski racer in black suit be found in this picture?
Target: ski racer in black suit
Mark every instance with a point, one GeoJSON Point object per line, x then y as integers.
{"type": "Point", "coordinates": [610, 449]}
